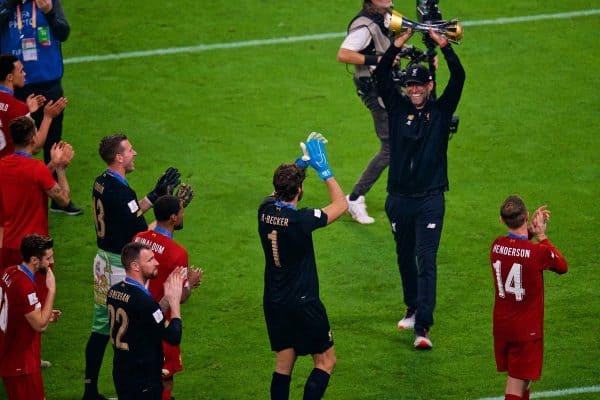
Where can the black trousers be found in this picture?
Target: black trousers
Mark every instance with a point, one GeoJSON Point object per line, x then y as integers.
{"type": "Point", "coordinates": [417, 227]}
{"type": "Point", "coordinates": [52, 91]}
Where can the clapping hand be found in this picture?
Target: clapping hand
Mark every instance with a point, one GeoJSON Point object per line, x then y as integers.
{"type": "Point", "coordinates": [194, 276]}
{"type": "Point", "coordinates": [55, 107]}
{"type": "Point", "coordinates": [61, 154]}
{"type": "Point", "coordinates": [302, 161]}
{"type": "Point", "coordinates": [165, 184]}
{"type": "Point", "coordinates": [34, 102]}
{"type": "Point", "coordinates": [315, 147]}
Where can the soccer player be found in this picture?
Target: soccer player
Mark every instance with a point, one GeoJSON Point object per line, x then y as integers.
{"type": "Point", "coordinates": [296, 318]}
{"type": "Point", "coordinates": [12, 76]}
{"type": "Point", "coordinates": [118, 216]}
{"type": "Point", "coordinates": [138, 325]}
{"type": "Point", "coordinates": [169, 212]}
{"type": "Point", "coordinates": [24, 318]}
{"type": "Point", "coordinates": [25, 185]}
{"type": "Point", "coordinates": [517, 268]}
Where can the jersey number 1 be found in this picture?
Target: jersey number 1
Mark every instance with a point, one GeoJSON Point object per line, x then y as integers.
{"type": "Point", "coordinates": [274, 247]}
{"type": "Point", "coordinates": [514, 281]}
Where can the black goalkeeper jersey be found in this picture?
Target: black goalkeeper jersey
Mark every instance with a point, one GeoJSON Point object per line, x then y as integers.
{"type": "Point", "coordinates": [286, 236]}
{"type": "Point", "coordinates": [117, 214]}
{"type": "Point", "coordinates": [137, 328]}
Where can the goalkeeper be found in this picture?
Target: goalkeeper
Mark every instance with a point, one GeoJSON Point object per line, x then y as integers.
{"type": "Point", "coordinates": [296, 319]}
{"type": "Point", "coordinates": [118, 216]}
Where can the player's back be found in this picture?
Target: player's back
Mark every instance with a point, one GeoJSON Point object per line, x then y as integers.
{"type": "Point", "coordinates": [10, 108]}
{"type": "Point", "coordinates": [286, 237]}
{"type": "Point", "coordinates": [517, 268]}
{"type": "Point", "coordinates": [169, 255]}
{"type": "Point", "coordinates": [136, 323]}
{"type": "Point", "coordinates": [23, 199]}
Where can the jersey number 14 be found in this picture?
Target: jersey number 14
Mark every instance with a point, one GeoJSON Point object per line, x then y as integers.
{"type": "Point", "coordinates": [514, 281]}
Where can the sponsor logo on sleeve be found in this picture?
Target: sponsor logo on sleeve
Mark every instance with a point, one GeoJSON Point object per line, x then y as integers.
{"type": "Point", "coordinates": [158, 316]}
{"type": "Point", "coordinates": [133, 206]}
{"type": "Point", "coordinates": [32, 298]}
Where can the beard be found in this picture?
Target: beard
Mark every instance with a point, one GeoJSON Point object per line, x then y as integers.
{"type": "Point", "coordinates": [151, 275]}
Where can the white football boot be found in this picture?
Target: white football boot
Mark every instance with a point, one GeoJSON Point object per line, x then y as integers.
{"type": "Point", "coordinates": [358, 210]}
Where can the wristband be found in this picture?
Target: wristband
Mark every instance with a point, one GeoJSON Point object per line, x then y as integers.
{"type": "Point", "coordinates": [370, 60]}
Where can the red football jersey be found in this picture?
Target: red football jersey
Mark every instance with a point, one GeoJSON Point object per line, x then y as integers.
{"type": "Point", "coordinates": [517, 268]}
{"type": "Point", "coordinates": [169, 255]}
{"type": "Point", "coordinates": [23, 199]}
{"type": "Point", "coordinates": [19, 342]}
{"type": "Point", "coordinates": [10, 108]}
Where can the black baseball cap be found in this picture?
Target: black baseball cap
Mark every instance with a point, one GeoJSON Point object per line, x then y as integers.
{"type": "Point", "coordinates": [417, 74]}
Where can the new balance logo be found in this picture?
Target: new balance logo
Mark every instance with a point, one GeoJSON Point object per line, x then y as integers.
{"type": "Point", "coordinates": [431, 225]}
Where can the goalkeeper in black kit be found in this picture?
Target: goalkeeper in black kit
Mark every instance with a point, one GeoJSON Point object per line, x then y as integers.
{"type": "Point", "coordinates": [138, 324]}
{"type": "Point", "coordinates": [296, 319]}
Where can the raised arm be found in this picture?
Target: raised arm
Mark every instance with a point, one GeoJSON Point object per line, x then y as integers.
{"type": "Point", "coordinates": [454, 88]}
{"type": "Point", "coordinates": [315, 150]}
{"type": "Point", "coordinates": [55, 16]}
{"type": "Point", "coordinates": [383, 72]}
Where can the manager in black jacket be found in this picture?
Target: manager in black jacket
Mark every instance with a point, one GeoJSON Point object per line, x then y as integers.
{"type": "Point", "coordinates": [418, 178]}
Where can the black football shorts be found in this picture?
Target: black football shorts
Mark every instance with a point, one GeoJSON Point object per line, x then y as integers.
{"type": "Point", "coordinates": [305, 328]}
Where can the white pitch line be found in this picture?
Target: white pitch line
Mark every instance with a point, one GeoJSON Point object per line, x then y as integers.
{"type": "Point", "coordinates": [555, 393]}
{"type": "Point", "coordinates": [291, 39]}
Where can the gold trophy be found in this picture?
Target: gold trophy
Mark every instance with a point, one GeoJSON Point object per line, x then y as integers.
{"type": "Point", "coordinates": [397, 23]}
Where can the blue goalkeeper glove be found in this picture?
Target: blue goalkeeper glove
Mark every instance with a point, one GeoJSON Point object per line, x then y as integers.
{"type": "Point", "coordinates": [315, 146]}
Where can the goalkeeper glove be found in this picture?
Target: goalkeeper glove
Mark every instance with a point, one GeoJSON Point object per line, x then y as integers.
{"type": "Point", "coordinates": [165, 184]}
{"type": "Point", "coordinates": [185, 194]}
{"type": "Point", "coordinates": [315, 146]}
{"type": "Point", "coordinates": [302, 161]}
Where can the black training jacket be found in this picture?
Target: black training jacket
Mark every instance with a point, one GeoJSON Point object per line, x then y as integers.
{"type": "Point", "coordinates": [419, 138]}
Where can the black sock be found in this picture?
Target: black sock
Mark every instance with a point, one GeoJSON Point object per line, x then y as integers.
{"type": "Point", "coordinates": [94, 353]}
{"type": "Point", "coordinates": [353, 196]}
{"type": "Point", "coordinates": [316, 384]}
{"type": "Point", "coordinates": [280, 386]}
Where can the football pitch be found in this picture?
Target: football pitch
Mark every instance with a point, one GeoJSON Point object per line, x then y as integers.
{"type": "Point", "coordinates": [226, 91]}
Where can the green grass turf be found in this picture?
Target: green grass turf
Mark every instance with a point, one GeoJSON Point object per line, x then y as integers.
{"type": "Point", "coordinates": [226, 118]}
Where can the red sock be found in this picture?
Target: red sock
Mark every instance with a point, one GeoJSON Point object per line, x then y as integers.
{"type": "Point", "coordinates": [512, 397]}
{"type": "Point", "coordinates": [526, 395]}
{"type": "Point", "coordinates": [166, 394]}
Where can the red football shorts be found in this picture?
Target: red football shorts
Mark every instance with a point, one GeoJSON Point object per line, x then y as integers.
{"type": "Point", "coordinates": [28, 386]}
{"type": "Point", "coordinates": [522, 360]}
{"type": "Point", "coordinates": [172, 363]}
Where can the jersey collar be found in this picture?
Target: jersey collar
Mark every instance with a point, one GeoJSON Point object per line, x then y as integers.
{"type": "Point", "coordinates": [163, 231]}
{"type": "Point", "coordinates": [117, 176]}
{"type": "Point", "coordinates": [285, 205]}
{"type": "Point", "coordinates": [23, 153]}
{"type": "Point", "coordinates": [29, 274]}
{"type": "Point", "coordinates": [512, 235]}
{"type": "Point", "coordinates": [6, 90]}
{"type": "Point", "coordinates": [137, 284]}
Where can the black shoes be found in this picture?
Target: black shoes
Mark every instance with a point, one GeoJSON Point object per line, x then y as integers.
{"type": "Point", "coordinates": [70, 209]}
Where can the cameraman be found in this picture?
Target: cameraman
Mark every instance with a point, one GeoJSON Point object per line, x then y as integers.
{"type": "Point", "coordinates": [418, 178]}
{"type": "Point", "coordinates": [366, 41]}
